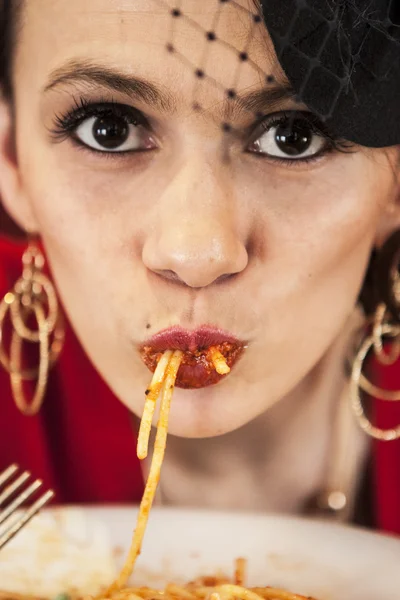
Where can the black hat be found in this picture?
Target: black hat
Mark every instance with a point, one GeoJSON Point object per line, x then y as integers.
{"type": "Point", "coordinates": [342, 57]}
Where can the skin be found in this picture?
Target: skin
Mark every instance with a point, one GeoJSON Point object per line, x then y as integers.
{"type": "Point", "coordinates": [146, 241]}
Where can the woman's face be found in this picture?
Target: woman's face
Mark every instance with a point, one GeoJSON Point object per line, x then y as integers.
{"type": "Point", "coordinates": [188, 226]}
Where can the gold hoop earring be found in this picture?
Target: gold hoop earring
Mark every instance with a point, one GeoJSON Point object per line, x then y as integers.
{"type": "Point", "coordinates": [360, 382]}
{"type": "Point", "coordinates": [386, 324]}
{"type": "Point", "coordinates": [33, 298]}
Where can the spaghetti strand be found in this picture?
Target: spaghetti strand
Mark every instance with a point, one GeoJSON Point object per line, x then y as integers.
{"type": "Point", "coordinates": [154, 475]}
{"type": "Point", "coordinates": [152, 394]}
{"type": "Point", "coordinates": [219, 362]}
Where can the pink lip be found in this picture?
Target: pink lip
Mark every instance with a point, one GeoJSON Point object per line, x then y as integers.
{"type": "Point", "coordinates": [177, 338]}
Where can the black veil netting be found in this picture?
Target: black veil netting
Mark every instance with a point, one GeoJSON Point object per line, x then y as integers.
{"type": "Point", "coordinates": [341, 57]}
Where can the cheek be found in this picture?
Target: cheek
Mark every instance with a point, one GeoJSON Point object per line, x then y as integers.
{"type": "Point", "coordinates": [86, 216]}
{"type": "Point", "coordinates": [311, 224]}
{"type": "Point", "coordinates": [313, 242]}
{"type": "Point", "coordinates": [87, 222]}
{"type": "Point", "coordinates": [81, 228]}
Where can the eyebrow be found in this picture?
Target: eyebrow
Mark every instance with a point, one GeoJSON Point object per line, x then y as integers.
{"type": "Point", "coordinates": [85, 71]}
{"type": "Point", "coordinates": [263, 100]}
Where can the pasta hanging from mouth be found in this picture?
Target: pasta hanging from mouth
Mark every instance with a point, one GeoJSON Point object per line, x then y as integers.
{"type": "Point", "coordinates": [153, 391]}
{"type": "Point", "coordinates": [152, 394]}
{"type": "Point", "coordinates": [163, 383]}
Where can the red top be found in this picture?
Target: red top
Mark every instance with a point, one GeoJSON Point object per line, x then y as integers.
{"type": "Point", "coordinates": [83, 442]}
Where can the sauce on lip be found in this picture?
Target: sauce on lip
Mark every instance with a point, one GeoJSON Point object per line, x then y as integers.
{"type": "Point", "coordinates": [196, 370]}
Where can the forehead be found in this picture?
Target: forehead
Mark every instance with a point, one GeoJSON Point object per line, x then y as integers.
{"type": "Point", "coordinates": [135, 34]}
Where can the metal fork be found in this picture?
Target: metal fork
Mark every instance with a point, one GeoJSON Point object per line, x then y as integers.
{"type": "Point", "coordinates": [11, 521]}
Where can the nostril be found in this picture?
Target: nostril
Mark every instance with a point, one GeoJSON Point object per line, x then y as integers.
{"type": "Point", "coordinates": [169, 275]}
{"type": "Point", "coordinates": [225, 277]}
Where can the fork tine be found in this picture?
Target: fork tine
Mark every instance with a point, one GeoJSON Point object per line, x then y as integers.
{"type": "Point", "coordinates": [25, 518]}
{"type": "Point", "coordinates": [7, 474]}
{"type": "Point", "coordinates": [13, 487]}
{"type": "Point", "coordinates": [5, 513]}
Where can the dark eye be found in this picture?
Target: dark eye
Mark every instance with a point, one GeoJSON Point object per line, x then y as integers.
{"type": "Point", "coordinates": [113, 133]}
{"type": "Point", "coordinates": [110, 132]}
{"type": "Point", "coordinates": [290, 137]}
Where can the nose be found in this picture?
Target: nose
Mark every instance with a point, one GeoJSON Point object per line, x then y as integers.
{"type": "Point", "coordinates": [197, 241]}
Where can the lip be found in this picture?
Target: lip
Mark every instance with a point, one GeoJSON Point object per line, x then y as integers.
{"type": "Point", "coordinates": [177, 338]}
{"type": "Point", "coordinates": [196, 370]}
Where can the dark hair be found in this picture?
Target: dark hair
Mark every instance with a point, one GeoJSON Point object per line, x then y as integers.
{"type": "Point", "coordinates": [9, 10]}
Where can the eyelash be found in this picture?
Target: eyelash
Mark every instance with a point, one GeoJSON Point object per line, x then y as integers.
{"type": "Point", "coordinates": [67, 123]}
{"type": "Point", "coordinates": [333, 143]}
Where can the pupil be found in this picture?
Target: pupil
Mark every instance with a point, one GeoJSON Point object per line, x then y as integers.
{"type": "Point", "coordinates": [293, 139]}
{"type": "Point", "coordinates": [110, 132]}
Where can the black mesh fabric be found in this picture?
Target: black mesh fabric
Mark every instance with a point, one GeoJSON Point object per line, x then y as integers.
{"type": "Point", "coordinates": [341, 57]}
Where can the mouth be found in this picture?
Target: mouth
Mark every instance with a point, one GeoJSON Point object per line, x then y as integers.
{"type": "Point", "coordinates": [209, 354]}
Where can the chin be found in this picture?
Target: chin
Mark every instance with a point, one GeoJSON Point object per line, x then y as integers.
{"type": "Point", "coordinates": [206, 413]}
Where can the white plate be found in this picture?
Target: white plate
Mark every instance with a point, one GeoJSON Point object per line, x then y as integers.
{"type": "Point", "coordinates": [308, 557]}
